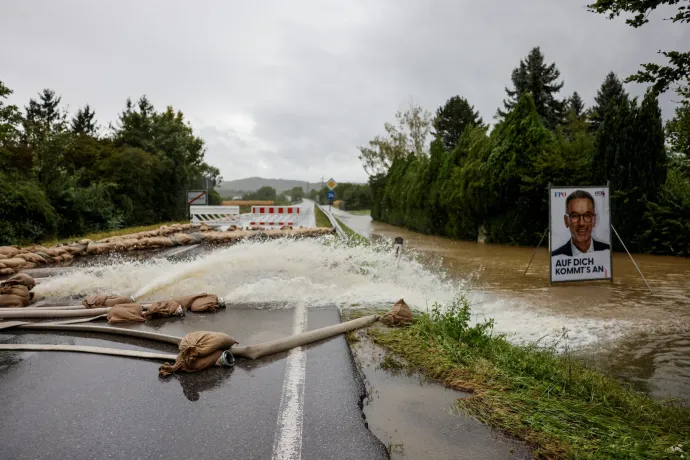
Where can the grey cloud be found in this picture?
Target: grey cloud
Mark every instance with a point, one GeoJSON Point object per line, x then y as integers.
{"type": "Point", "coordinates": [290, 89]}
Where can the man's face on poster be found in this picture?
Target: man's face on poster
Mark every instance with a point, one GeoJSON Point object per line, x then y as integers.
{"type": "Point", "coordinates": [581, 219]}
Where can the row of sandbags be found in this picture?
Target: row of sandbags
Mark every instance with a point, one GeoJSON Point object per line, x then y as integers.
{"type": "Point", "coordinates": [14, 259]}
{"type": "Point", "coordinates": [15, 292]}
{"type": "Point", "coordinates": [123, 309]}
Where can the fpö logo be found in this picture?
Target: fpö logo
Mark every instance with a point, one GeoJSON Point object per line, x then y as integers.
{"type": "Point", "coordinates": [600, 193]}
{"type": "Point", "coordinates": [559, 194]}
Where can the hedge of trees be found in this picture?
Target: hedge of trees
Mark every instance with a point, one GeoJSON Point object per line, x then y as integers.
{"type": "Point", "coordinates": [62, 177]}
{"type": "Point", "coordinates": [353, 196]}
{"type": "Point", "coordinates": [470, 177]}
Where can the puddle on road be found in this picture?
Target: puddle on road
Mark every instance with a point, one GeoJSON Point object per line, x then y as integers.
{"type": "Point", "coordinates": [416, 419]}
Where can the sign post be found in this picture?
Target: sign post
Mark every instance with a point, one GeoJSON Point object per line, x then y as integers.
{"type": "Point", "coordinates": [196, 197]}
{"type": "Point", "coordinates": [331, 184]}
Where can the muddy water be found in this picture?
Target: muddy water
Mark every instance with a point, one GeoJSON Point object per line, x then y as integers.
{"type": "Point", "coordinates": [621, 326]}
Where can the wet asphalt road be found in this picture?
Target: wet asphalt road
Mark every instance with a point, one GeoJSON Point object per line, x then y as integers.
{"type": "Point", "coordinates": [80, 406]}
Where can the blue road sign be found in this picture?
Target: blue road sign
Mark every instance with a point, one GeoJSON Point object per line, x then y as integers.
{"type": "Point", "coordinates": [330, 195]}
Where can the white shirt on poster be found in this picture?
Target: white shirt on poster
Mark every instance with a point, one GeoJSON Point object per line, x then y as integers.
{"type": "Point", "coordinates": [577, 252]}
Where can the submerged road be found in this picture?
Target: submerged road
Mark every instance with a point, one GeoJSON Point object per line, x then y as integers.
{"type": "Point", "coordinates": [301, 404]}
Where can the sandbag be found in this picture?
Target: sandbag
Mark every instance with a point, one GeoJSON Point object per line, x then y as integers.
{"type": "Point", "coordinates": [14, 296]}
{"type": "Point", "coordinates": [181, 238]}
{"type": "Point", "coordinates": [6, 271]}
{"type": "Point", "coordinates": [200, 302]}
{"type": "Point", "coordinates": [98, 301]}
{"type": "Point", "coordinates": [21, 279]}
{"type": "Point", "coordinates": [400, 315]}
{"type": "Point", "coordinates": [31, 257]}
{"type": "Point", "coordinates": [196, 346]}
{"type": "Point", "coordinates": [8, 251]}
{"type": "Point", "coordinates": [15, 262]}
{"type": "Point", "coordinates": [164, 309]}
{"type": "Point", "coordinates": [126, 313]}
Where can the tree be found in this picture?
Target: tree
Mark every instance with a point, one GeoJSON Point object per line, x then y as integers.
{"type": "Point", "coordinates": [10, 118]}
{"type": "Point", "coordinates": [452, 118]}
{"type": "Point", "coordinates": [83, 122]}
{"type": "Point", "coordinates": [610, 94]}
{"type": "Point", "coordinates": [408, 137]}
{"type": "Point", "coordinates": [678, 131]}
{"type": "Point", "coordinates": [630, 153]}
{"type": "Point", "coordinates": [519, 142]}
{"type": "Point", "coordinates": [45, 125]}
{"type": "Point", "coordinates": [265, 193]}
{"type": "Point", "coordinates": [533, 75]}
{"type": "Point", "coordinates": [576, 104]}
{"type": "Point", "coordinates": [661, 76]}
{"type": "Point", "coordinates": [296, 194]}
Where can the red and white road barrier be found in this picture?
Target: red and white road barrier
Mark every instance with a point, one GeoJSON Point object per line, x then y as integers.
{"type": "Point", "coordinates": [274, 216]}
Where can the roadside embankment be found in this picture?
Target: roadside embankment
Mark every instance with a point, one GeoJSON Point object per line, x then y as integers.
{"type": "Point", "coordinates": [14, 258]}
{"type": "Point", "coordinates": [557, 404]}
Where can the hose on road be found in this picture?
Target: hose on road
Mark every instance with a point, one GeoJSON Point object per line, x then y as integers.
{"type": "Point", "coordinates": [51, 313]}
{"type": "Point", "coordinates": [250, 352]}
{"type": "Point", "coordinates": [87, 349]}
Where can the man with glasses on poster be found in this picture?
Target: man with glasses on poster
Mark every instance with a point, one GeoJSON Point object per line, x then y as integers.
{"type": "Point", "coordinates": [580, 219]}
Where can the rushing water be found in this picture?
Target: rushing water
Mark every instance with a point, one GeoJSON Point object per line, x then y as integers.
{"type": "Point", "coordinates": [642, 336]}
{"type": "Point", "coordinates": [621, 326]}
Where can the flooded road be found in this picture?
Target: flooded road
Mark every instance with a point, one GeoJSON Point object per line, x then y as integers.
{"type": "Point", "coordinates": [641, 336]}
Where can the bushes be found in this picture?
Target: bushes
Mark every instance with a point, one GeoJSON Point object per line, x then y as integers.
{"type": "Point", "coordinates": [62, 179]}
{"type": "Point", "coordinates": [25, 213]}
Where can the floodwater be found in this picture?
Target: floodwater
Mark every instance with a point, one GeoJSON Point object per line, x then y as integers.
{"type": "Point", "coordinates": [621, 326]}
{"type": "Point", "coordinates": [642, 336]}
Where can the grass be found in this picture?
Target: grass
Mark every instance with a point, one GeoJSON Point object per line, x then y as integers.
{"type": "Point", "coordinates": [321, 219]}
{"type": "Point", "coordinates": [558, 405]}
{"type": "Point", "coordinates": [360, 212]}
{"type": "Point", "coordinates": [353, 236]}
{"type": "Point", "coordinates": [95, 236]}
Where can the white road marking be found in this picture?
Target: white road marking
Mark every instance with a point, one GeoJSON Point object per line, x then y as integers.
{"type": "Point", "coordinates": [287, 444]}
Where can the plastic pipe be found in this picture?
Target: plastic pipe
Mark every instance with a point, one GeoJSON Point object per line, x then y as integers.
{"type": "Point", "coordinates": [251, 352]}
{"type": "Point", "coordinates": [286, 343]}
{"type": "Point", "coordinates": [104, 330]}
{"type": "Point", "coordinates": [88, 349]}
{"type": "Point", "coordinates": [49, 313]}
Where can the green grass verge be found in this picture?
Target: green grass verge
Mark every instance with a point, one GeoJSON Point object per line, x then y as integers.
{"type": "Point", "coordinates": [353, 236]}
{"type": "Point", "coordinates": [558, 405]}
{"type": "Point", "coordinates": [360, 212]}
{"type": "Point", "coordinates": [321, 219]}
{"type": "Point", "coordinates": [95, 236]}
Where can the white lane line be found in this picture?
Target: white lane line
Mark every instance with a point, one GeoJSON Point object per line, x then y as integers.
{"type": "Point", "coordinates": [287, 444]}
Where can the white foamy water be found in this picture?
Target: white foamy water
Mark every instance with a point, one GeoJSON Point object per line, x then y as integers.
{"type": "Point", "coordinates": [315, 273]}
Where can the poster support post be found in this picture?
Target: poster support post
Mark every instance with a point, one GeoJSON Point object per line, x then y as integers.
{"type": "Point", "coordinates": [535, 250]}
{"type": "Point", "coordinates": [548, 230]}
{"type": "Point", "coordinates": [631, 258]}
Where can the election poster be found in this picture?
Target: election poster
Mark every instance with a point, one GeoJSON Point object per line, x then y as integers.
{"type": "Point", "coordinates": [580, 234]}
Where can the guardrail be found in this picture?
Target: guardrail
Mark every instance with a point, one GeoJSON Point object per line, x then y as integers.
{"type": "Point", "coordinates": [215, 215]}
{"type": "Point", "coordinates": [334, 222]}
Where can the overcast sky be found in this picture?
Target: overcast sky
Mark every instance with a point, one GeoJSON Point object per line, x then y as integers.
{"type": "Point", "coordinates": [290, 88]}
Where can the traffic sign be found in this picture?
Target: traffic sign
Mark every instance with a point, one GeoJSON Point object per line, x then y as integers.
{"type": "Point", "coordinates": [330, 195]}
{"type": "Point", "coordinates": [331, 183]}
{"type": "Point", "coordinates": [197, 197]}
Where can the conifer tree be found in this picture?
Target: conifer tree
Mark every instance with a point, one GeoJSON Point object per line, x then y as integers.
{"type": "Point", "coordinates": [610, 94]}
{"type": "Point", "coordinates": [533, 75]}
{"type": "Point", "coordinates": [83, 122]}
{"type": "Point", "coordinates": [451, 120]}
{"type": "Point", "coordinates": [576, 104]}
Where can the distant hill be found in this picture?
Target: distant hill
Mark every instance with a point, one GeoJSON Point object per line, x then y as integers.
{"type": "Point", "coordinates": [252, 184]}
